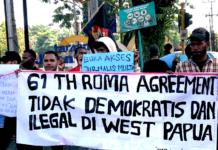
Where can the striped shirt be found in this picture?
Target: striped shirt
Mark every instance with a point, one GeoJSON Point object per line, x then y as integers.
{"type": "Point", "coordinates": [211, 65]}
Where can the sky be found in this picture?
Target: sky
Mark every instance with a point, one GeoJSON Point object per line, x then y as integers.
{"type": "Point", "coordinates": [201, 9]}
{"type": "Point", "coordinates": [41, 13]}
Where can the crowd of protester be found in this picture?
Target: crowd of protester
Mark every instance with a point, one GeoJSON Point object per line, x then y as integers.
{"type": "Point", "coordinates": [196, 51]}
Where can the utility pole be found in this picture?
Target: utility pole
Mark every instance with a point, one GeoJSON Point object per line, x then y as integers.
{"type": "Point", "coordinates": [89, 11]}
{"type": "Point", "coordinates": [182, 24]}
{"type": "Point", "coordinates": [212, 38]}
{"type": "Point", "coordinates": [6, 25]}
{"type": "Point", "coordinates": [11, 26]}
{"type": "Point", "coordinates": [93, 6]}
{"type": "Point", "coordinates": [212, 44]}
{"type": "Point", "coordinates": [210, 32]}
{"type": "Point", "coordinates": [74, 16]}
{"type": "Point", "coordinates": [26, 32]}
{"type": "Point", "coordinates": [77, 21]}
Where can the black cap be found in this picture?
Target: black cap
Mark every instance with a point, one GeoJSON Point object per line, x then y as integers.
{"type": "Point", "coordinates": [154, 50]}
{"type": "Point", "coordinates": [201, 34]}
{"type": "Point", "coordinates": [11, 56]}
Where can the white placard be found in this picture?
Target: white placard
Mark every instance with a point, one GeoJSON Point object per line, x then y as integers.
{"type": "Point", "coordinates": [8, 90]}
{"type": "Point", "coordinates": [148, 111]}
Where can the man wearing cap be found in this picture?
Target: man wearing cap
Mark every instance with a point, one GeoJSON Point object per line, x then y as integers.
{"type": "Point", "coordinates": [200, 61]}
{"type": "Point", "coordinates": [154, 64]}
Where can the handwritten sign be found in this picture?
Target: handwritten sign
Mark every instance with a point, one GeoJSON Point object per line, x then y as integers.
{"type": "Point", "coordinates": [8, 90]}
{"type": "Point", "coordinates": [109, 62]}
{"type": "Point", "coordinates": [113, 111]}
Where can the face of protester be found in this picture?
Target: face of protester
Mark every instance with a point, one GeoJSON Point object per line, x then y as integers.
{"type": "Point", "coordinates": [198, 48]}
{"type": "Point", "coordinates": [50, 62]}
{"type": "Point", "coordinates": [102, 49]}
{"type": "Point", "coordinates": [79, 55]}
{"type": "Point", "coordinates": [27, 60]}
{"type": "Point", "coordinates": [80, 52]}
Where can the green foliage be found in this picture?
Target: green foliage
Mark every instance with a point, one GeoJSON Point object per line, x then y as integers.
{"type": "Point", "coordinates": [21, 40]}
{"type": "Point", "coordinates": [3, 43]}
{"type": "Point", "coordinates": [45, 38]}
{"type": "Point", "coordinates": [64, 19]}
{"type": "Point", "coordinates": [166, 12]}
{"type": "Point", "coordinates": [3, 39]}
{"type": "Point", "coordinates": [174, 36]}
{"type": "Point", "coordinates": [41, 37]}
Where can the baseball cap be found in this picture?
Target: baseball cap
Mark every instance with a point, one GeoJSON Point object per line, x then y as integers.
{"type": "Point", "coordinates": [11, 56]}
{"type": "Point", "coordinates": [201, 34]}
{"type": "Point", "coordinates": [154, 50]}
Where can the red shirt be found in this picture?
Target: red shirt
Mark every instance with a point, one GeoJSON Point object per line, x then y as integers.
{"type": "Point", "coordinates": [74, 69]}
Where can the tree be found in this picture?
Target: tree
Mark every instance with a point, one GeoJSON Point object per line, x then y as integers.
{"type": "Point", "coordinates": [3, 39]}
{"type": "Point", "coordinates": [64, 33]}
{"type": "Point", "coordinates": [64, 14]}
{"type": "Point", "coordinates": [65, 19]}
{"type": "Point", "coordinates": [174, 36]}
{"type": "Point", "coordinates": [166, 11]}
{"type": "Point", "coordinates": [165, 14]}
{"type": "Point", "coordinates": [21, 40]}
{"type": "Point", "coordinates": [44, 38]}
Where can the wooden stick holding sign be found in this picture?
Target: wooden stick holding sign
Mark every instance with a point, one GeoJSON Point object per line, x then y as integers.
{"type": "Point", "coordinates": [140, 49]}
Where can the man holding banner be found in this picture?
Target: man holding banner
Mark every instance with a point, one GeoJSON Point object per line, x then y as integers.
{"type": "Point", "coordinates": [50, 63]}
{"type": "Point", "coordinates": [9, 123]}
{"type": "Point", "coordinates": [200, 61]}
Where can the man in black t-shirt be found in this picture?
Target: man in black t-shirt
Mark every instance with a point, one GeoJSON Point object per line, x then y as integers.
{"type": "Point", "coordinates": [154, 64]}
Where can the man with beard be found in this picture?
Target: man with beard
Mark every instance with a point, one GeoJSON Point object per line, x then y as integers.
{"type": "Point", "coordinates": [200, 61]}
{"type": "Point", "coordinates": [28, 63]}
{"type": "Point", "coordinates": [28, 60]}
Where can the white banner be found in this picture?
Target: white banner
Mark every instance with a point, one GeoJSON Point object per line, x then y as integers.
{"type": "Point", "coordinates": [8, 90]}
{"type": "Point", "coordinates": [118, 111]}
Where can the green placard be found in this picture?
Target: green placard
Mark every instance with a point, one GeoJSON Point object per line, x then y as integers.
{"type": "Point", "coordinates": [137, 17]}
